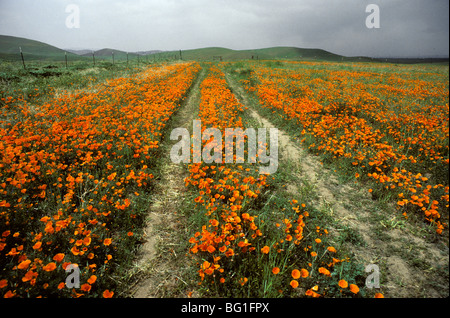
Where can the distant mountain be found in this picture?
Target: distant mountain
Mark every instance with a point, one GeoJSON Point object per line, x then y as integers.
{"type": "Point", "coordinates": [148, 52]}
{"type": "Point", "coordinates": [108, 54]}
{"type": "Point", "coordinates": [79, 52]}
{"type": "Point", "coordinates": [35, 50]}
{"type": "Point", "coordinates": [281, 52]}
{"type": "Point", "coordinates": [32, 50]}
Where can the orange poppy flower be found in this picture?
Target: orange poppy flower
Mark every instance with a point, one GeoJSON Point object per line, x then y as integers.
{"type": "Point", "coordinates": [343, 284]}
{"type": "Point", "coordinates": [275, 270]}
{"type": "Point", "coordinates": [108, 294]}
{"type": "Point", "coordinates": [265, 249]}
{"type": "Point", "coordinates": [92, 279]}
{"type": "Point", "coordinates": [75, 250]}
{"type": "Point", "coordinates": [3, 283]}
{"type": "Point", "coordinates": [49, 267]}
{"type": "Point", "coordinates": [24, 264]}
{"type": "Point", "coordinates": [324, 271]}
{"type": "Point", "coordinates": [294, 283]}
{"type": "Point", "coordinates": [296, 274]}
{"type": "Point", "coordinates": [86, 287]}
{"type": "Point", "coordinates": [354, 289]}
{"type": "Point", "coordinates": [58, 257]}
{"type": "Point", "coordinates": [9, 294]}
{"type": "Point", "coordinates": [87, 241]}
{"type": "Point", "coordinates": [37, 245]}
{"type": "Point", "coordinates": [229, 252]}
{"type": "Point", "coordinates": [242, 281]}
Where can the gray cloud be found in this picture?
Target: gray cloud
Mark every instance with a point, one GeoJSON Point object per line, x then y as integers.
{"type": "Point", "coordinates": [408, 27]}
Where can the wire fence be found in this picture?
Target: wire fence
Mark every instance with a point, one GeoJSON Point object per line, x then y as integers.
{"type": "Point", "coordinates": [30, 60]}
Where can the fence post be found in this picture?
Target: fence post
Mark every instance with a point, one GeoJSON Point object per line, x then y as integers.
{"type": "Point", "coordinates": [65, 57]}
{"type": "Point", "coordinates": [21, 54]}
{"type": "Point", "coordinates": [93, 57]}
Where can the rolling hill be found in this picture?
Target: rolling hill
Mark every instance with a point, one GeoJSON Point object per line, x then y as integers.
{"type": "Point", "coordinates": [32, 50]}
{"type": "Point", "coordinates": [35, 50]}
{"type": "Point", "coordinates": [39, 51]}
{"type": "Point", "coordinates": [107, 54]}
{"type": "Point", "coordinates": [291, 53]}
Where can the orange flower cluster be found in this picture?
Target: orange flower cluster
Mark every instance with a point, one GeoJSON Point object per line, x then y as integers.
{"type": "Point", "coordinates": [361, 118]}
{"type": "Point", "coordinates": [71, 175]}
{"type": "Point", "coordinates": [224, 190]}
{"type": "Point", "coordinates": [236, 244]}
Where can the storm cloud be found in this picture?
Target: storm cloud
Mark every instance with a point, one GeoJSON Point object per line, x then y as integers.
{"type": "Point", "coordinates": [408, 28]}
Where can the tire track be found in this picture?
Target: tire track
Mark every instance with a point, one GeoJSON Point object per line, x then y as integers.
{"type": "Point", "coordinates": [158, 260]}
{"type": "Point", "coordinates": [354, 209]}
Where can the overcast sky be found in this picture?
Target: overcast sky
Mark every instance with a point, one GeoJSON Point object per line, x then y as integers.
{"type": "Point", "coordinates": [408, 28]}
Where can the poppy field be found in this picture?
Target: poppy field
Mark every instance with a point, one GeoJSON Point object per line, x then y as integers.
{"type": "Point", "coordinates": [74, 177]}
{"type": "Point", "coordinates": [246, 248]}
{"type": "Point", "coordinates": [78, 167]}
{"type": "Point", "coordinates": [389, 128]}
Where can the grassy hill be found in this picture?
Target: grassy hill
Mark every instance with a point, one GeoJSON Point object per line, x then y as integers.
{"type": "Point", "coordinates": [39, 51]}
{"type": "Point", "coordinates": [35, 50]}
{"type": "Point", "coordinates": [291, 53]}
{"type": "Point", "coordinates": [32, 50]}
{"type": "Point", "coordinates": [107, 54]}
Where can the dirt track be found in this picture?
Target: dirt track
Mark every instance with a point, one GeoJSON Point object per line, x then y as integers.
{"type": "Point", "coordinates": [352, 206]}
{"type": "Point", "coordinates": [405, 259]}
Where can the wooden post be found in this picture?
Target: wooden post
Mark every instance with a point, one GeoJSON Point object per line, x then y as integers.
{"type": "Point", "coordinates": [65, 57]}
{"type": "Point", "coordinates": [127, 59]}
{"type": "Point", "coordinates": [181, 57]}
{"type": "Point", "coordinates": [93, 57]}
{"type": "Point", "coordinates": [21, 54]}
{"type": "Point", "coordinates": [113, 57]}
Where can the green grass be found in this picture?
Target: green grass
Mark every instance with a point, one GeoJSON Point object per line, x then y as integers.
{"type": "Point", "coordinates": [35, 50]}
{"type": "Point", "coordinates": [271, 207]}
{"type": "Point", "coordinates": [32, 50]}
{"type": "Point", "coordinates": [275, 209]}
{"type": "Point", "coordinates": [41, 79]}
